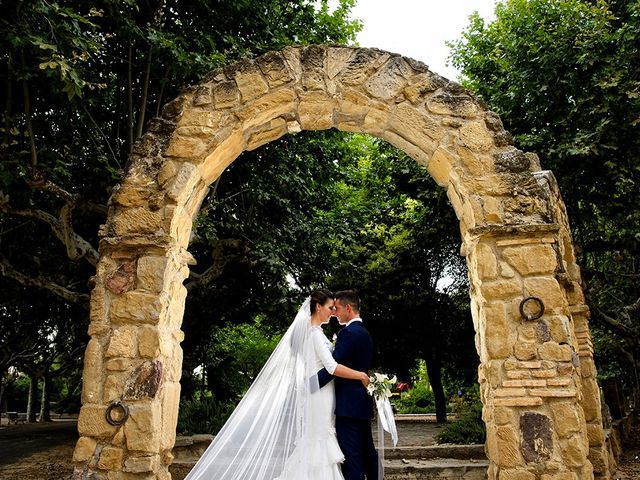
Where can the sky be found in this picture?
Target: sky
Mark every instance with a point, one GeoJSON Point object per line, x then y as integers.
{"type": "Point", "coordinates": [418, 28]}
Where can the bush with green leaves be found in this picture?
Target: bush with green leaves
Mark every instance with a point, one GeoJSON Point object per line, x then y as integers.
{"type": "Point", "coordinates": [203, 415]}
{"type": "Point", "coordinates": [420, 397]}
{"type": "Point", "coordinates": [468, 427]}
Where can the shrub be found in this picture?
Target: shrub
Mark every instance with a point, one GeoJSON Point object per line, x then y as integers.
{"type": "Point", "coordinates": [203, 415]}
{"type": "Point", "coordinates": [468, 427]}
{"type": "Point", "coordinates": [418, 399]}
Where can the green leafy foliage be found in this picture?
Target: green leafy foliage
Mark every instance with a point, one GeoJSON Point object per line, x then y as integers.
{"type": "Point", "coordinates": [202, 415]}
{"type": "Point", "coordinates": [468, 426]}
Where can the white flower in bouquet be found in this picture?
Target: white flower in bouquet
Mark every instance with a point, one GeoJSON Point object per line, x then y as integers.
{"type": "Point", "coordinates": [380, 385]}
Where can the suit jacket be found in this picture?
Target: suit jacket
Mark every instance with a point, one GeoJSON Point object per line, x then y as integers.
{"type": "Point", "coordinates": [354, 349]}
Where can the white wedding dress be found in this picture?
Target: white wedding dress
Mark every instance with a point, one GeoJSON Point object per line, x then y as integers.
{"type": "Point", "coordinates": [321, 457]}
{"type": "Point", "coordinates": [283, 428]}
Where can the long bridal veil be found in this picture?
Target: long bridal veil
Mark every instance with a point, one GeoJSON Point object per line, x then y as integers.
{"type": "Point", "coordinates": [272, 418]}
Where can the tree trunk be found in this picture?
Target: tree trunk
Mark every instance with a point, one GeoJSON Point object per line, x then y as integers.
{"type": "Point", "coordinates": [434, 372]}
{"type": "Point", "coordinates": [143, 95]}
{"type": "Point", "coordinates": [33, 395]}
{"type": "Point", "coordinates": [130, 120]}
{"type": "Point", "coordinates": [3, 403]}
{"type": "Point", "coordinates": [45, 404]}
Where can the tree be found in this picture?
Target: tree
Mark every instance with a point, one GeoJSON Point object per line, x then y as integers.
{"type": "Point", "coordinates": [562, 76]}
{"type": "Point", "coordinates": [79, 82]}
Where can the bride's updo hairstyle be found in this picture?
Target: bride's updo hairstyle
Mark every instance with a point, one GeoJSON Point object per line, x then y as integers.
{"type": "Point", "coordinates": [319, 297]}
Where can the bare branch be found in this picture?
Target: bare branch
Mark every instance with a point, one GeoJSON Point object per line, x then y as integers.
{"type": "Point", "coordinates": [614, 323]}
{"type": "Point", "coordinates": [41, 282]}
{"type": "Point", "coordinates": [77, 247]}
{"type": "Point", "coordinates": [223, 252]}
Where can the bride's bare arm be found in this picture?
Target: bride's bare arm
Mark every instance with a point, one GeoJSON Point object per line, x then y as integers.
{"type": "Point", "coordinates": [334, 368]}
{"type": "Point", "coordinates": [351, 374]}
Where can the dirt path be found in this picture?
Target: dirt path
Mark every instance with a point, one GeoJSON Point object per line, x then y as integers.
{"type": "Point", "coordinates": [43, 452]}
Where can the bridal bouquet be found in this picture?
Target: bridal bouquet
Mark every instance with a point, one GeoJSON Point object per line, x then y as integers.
{"type": "Point", "coordinates": [380, 385]}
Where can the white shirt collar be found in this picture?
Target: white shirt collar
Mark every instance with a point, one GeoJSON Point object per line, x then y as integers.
{"type": "Point", "coordinates": [357, 319]}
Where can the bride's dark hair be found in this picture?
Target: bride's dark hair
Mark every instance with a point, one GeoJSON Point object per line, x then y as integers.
{"type": "Point", "coordinates": [319, 297]}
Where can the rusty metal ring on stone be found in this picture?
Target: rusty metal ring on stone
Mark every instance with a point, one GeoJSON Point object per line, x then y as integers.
{"type": "Point", "coordinates": [533, 316]}
{"type": "Point", "coordinates": [122, 408]}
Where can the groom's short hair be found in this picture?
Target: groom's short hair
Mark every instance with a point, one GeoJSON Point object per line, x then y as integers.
{"type": "Point", "coordinates": [349, 297]}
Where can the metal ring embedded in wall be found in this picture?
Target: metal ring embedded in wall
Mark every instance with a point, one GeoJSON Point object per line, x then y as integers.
{"type": "Point", "coordinates": [120, 407]}
{"type": "Point", "coordinates": [532, 316]}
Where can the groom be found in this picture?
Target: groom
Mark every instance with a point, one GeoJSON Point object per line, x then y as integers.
{"type": "Point", "coordinates": [354, 406]}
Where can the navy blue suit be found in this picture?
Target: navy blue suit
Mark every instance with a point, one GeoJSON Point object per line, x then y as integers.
{"type": "Point", "coordinates": [354, 406]}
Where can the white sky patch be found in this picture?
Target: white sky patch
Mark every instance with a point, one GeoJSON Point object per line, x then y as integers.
{"type": "Point", "coordinates": [418, 28]}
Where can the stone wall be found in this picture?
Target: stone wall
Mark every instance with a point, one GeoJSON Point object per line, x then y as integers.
{"type": "Point", "coordinates": [541, 401]}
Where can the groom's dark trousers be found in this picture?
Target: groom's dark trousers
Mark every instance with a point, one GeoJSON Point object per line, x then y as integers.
{"type": "Point", "coordinates": [354, 406]}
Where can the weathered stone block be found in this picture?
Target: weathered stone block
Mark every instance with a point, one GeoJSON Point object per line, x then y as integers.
{"type": "Point", "coordinates": [274, 68]}
{"type": "Point", "coordinates": [149, 342]}
{"type": "Point", "coordinates": [142, 429]}
{"type": "Point", "coordinates": [513, 474]}
{"type": "Point", "coordinates": [421, 85]}
{"type": "Point", "coordinates": [250, 81]}
{"type": "Point", "coordinates": [446, 103]}
{"type": "Point", "coordinates": [144, 381]}
{"type": "Point", "coordinates": [595, 434]}
{"type": "Point", "coordinates": [497, 331]}
{"type": "Point", "coordinates": [361, 66]}
{"type": "Point", "coordinates": [518, 402]}
{"type": "Point", "coordinates": [273, 104]}
{"type": "Point", "coordinates": [566, 418]}
{"type": "Point", "coordinates": [439, 167]}
{"type": "Point", "coordinates": [416, 127]}
{"type": "Point", "coordinates": [274, 130]}
{"type": "Point", "coordinates": [113, 387]}
{"type": "Point", "coordinates": [136, 307]}
{"type": "Point", "coordinates": [390, 80]}
{"type": "Point", "coordinates": [502, 415]}
{"type": "Point", "coordinates": [85, 448]}
{"type": "Point", "coordinates": [122, 343]}
{"type": "Point", "coordinates": [574, 451]}
{"type": "Point", "coordinates": [122, 279]}
{"type": "Point", "coordinates": [111, 458]}
{"type": "Point", "coordinates": [525, 350]}
{"type": "Point", "coordinates": [151, 273]}
{"type": "Point", "coordinates": [315, 115]}
{"type": "Point", "coordinates": [92, 422]}
{"type": "Point", "coordinates": [92, 379]}
{"type": "Point", "coordinates": [555, 352]}
{"type": "Point", "coordinates": [531, 259]}
{"type": "Point", "coordinates": [170, 402]}
{"type": "Point", "coordinates": [138, 220]}
{"type": "Point", "coordinates": [537, 437]}
{"type": "Point", "coordinates": [182, 185]}
{"type": "Point", "coordinates": [118, 364]}
{"type": "Point", "coordinates": [486, 262]}
{"type": "Point", "coordinates": [476, 136]}
{"type": "Point", "coordinates": [140, 464]}
{"type": "Point", "coordinates": [226, 94]}
{"type": "Point", "coordinates": [221, 157]}
{"type": "Point", "coordinates": [507, 447]}
{"type": "Point", "coordinates": [547, 289]}
{"type": "Point", "coordinates": [501, 289]}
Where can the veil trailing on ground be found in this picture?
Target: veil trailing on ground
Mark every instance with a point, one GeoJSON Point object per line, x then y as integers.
{"type": "Point", "coordinates": [272, 418]}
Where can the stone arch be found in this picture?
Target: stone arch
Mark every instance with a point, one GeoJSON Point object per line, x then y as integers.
{"type": "Point", "coordinates": [538, 386]}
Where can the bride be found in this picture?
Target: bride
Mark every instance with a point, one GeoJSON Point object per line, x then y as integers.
{"type": "Point", "coordinates": [283, 428]}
